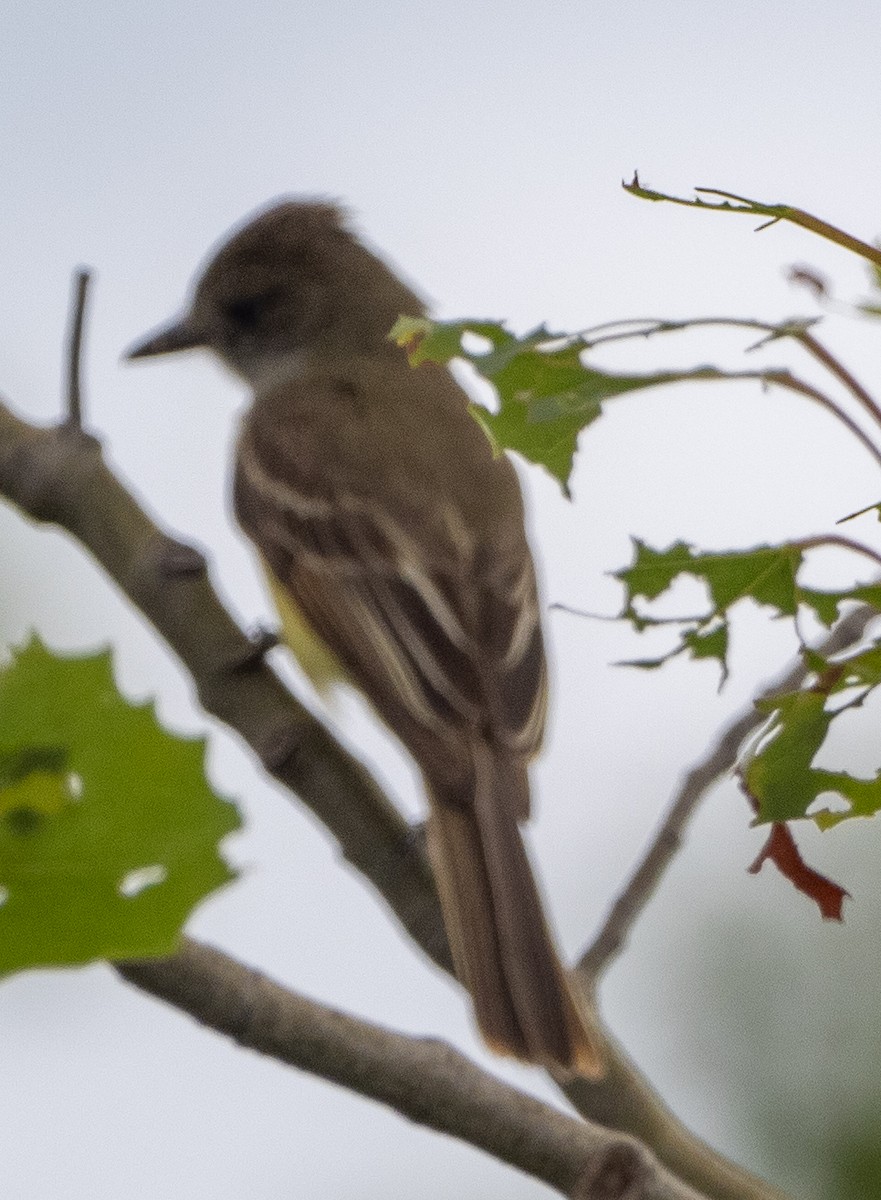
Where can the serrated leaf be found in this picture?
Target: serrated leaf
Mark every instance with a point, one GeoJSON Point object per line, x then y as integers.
{"type": "Point", "coordinates": [864, 796]}
{"type": "Point", "coordinates": [653, 571]}
{"type": "Point", "coordinates": [552, 444]}
{"type": "Point", "coordinates": [104, 855]}
{"type": "Point", "coordinates": [767, 575]}
{"type": "Point", "coordinates": [825, 605]}
{"type": "Point", "coordinates": [711, 643]}
{"type": "Point", "coordinates": [547, 393]}
{"type": "Point", "coordinates": [780, 776]}
{"type": "Point", "coordinates": [426, 340]}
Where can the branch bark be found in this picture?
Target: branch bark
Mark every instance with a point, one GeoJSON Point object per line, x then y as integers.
{"type": "Point", "coordinates": [424, 1080]}
{"type": "Point", "coordinates": [58, 475]}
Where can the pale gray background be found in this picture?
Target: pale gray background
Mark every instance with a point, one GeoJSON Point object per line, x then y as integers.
{"type": "Point", "coordinates": [481, 146]}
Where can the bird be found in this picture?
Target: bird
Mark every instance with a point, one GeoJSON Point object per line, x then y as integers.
{"type": "Point", "coordinates": [392, 536]}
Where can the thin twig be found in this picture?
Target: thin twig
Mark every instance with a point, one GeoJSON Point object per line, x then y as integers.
{"type": "Point", "coordinates": [756, 208]}
{"type": "Point", "coordinates": [792, 383]}
{"type": "Point", "coordinates": [823, 540]}
{"type": "Point", "coordinates": [840, 371]}
{"type": "Point", "coordinates": [719, 759]}
{"type": "Point", "coordinates": [74, 349]}
{"type": "Point", "coordinates": [646, 327]}
{"type": "Point", "coordinates": [425, 1080]}
{"type": "Point", "coordinates": [798, 216]}
{"type": "Point", "coordinates": [794, 329]}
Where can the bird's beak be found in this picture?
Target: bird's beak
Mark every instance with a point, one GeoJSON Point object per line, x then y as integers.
{"type": "Point", "coordinates": [177, 335]}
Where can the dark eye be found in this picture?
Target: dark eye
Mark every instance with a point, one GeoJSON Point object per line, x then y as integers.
{"type": "Point", "coordinates": [247, 311]}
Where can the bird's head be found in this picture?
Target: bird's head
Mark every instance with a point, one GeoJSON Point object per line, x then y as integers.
{"type": "Point", "coordinates": [291, 282]}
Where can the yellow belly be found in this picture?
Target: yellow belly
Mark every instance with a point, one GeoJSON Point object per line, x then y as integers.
{"type": "Point", "coordinates": [318, 662]}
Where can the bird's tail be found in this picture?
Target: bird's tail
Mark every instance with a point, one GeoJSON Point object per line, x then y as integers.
{"type": "Point", "coordinates": [502, 949]}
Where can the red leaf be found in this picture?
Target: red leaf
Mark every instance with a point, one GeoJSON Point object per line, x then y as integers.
{"type": "Point", "coordinates": [781, 850]}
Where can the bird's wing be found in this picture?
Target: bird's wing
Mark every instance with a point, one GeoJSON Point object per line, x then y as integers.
{"type": "Point", "coordinates": [428, 622]}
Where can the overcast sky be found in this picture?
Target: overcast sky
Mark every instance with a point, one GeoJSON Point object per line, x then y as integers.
{"type": "Point", "coordinates": [481, 147]}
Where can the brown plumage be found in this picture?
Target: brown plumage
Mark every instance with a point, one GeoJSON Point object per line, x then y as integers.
{"type": "Point", "coordinates": [387, 523]}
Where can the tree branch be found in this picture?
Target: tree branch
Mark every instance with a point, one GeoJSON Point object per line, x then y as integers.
{"type": "Point", "coordinates": [719, 759]}
{"type": "Point", "coordinates": [626, 1101]}
{"type": "Point", "coordinates": [424, 1080]}
{"type": "Point", "coordinates": [75, 347]}
{"type": "Point", "coordinates": [58, 475]}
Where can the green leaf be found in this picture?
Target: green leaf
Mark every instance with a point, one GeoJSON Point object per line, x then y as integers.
{"type": "Point", "coordinates": [551, 443]}
{"type": "Point", "coordinates": [861, 670]}
{"type": "Point", "coordinates": [653, 571]}
{"type": "Point", "coordinates": [780, 776]}
{"type": "Point", "coordinates": [825, 605]}
{"type": "Point", "coordinates": [547, 393]}
{"type": "Point", "coordinates": [439, 341]}
{"type": "Point", "coordinates": [109, 831]}
{"type": "Point", "coordinates": [768, 575]}
{"type": "Point", "coordinates": [765, 574]}
{"type": "Point", "coordinates": [709, 644]}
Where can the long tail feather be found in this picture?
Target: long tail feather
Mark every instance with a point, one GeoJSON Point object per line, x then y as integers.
{"type": "Point", "coordinates": [503, 951]}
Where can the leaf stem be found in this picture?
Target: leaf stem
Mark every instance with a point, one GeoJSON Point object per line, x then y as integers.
{"type": "Point", "coordinates": [840, 371]}
{"type": "Point", "coordinates": [835, 539]}
{"type": "Point", "coordinates": [792, 383]}
{"type": "Point", "coordinates": [797, 329]}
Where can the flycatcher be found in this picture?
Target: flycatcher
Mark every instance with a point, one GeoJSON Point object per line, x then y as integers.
{"type": "Point", "coordinates": [393, 541]}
